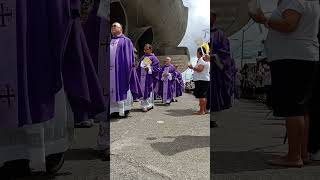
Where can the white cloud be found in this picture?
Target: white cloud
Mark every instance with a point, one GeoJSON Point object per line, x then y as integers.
{"type": "Point", "coordinates": [253, 36]}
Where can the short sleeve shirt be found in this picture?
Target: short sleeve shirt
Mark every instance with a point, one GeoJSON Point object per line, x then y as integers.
{"type": "Point", "coordinates": [204, 75]}
{"type": "Point", "coordinates": [302, 44]}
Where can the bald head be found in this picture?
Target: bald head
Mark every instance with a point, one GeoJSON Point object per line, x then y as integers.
{"type": "Point", "coordinates": [116, 29]}
{"type": "Point", "coordinates": [167, 60]}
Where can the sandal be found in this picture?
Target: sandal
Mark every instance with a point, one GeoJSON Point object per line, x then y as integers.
{"type": "Point", "coordinates": [199, 113]}
{"type": "Point", "coordinates": [306, 161]}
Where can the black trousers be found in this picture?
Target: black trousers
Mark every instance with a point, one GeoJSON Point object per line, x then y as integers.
{"type": "Point", "coordinates": [314, 132]}
{"type": "Point", "coordinates": [314, 127]}
{"type": "Point", "coordinates": [208, 98]}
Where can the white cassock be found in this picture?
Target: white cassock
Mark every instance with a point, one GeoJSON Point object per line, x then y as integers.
{"type": "Point", "coordinates": [149, 102]}
{"type": "Point", "coordinates": [117, 106]}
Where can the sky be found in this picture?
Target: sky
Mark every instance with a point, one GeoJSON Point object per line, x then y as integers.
{"type": "Point", "coordinates": [198, 23]}
{"type": "Point", "coordinates": [252, 37]}
{"type": "Point", "coordinates": [199, 20]}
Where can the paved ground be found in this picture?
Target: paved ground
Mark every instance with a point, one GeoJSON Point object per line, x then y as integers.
{"type": "Point", "coordinates": [171, 143]}
{"type": "Point", "coordinates": [246, 138]}
{"type": "Point", "coordinates": [165, 143]}
{"type": "Point", "coordinates": [175, 148]}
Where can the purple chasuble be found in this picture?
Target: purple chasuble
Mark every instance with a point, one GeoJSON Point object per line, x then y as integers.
{"type": "Point", "coordinates": [45, 55]}
{"type": "Point", "coordinates": [179, 84]}
{"type": "Point", "coordinates": [79, 74]}
{"type": "Point", "coordinates": [148, 81]}
{"type": "Point", "coordinates": [221, 79]}
{"type": "Point", "coordinates": [166, 85]}
{"type": "Point", "coordinates": [97, 32]}
{"type": "Point", "coordinates": [123, 75]}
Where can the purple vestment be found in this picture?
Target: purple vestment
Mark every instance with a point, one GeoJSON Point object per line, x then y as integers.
{"type": "Point", "coordinates": [147, 80]}
{"type": "Point", "coordinates": [50, 47]}
{"type": "Point", "coordinates": [97, 30]}
{"type": "Point", "coordinates": [123, 74]}
{"type": "Point", "coordinates": [179, 85]}
{"type": "Point", "coordinates": [166, 84]}
{"type": "Point", "coordinates": [221, 79]}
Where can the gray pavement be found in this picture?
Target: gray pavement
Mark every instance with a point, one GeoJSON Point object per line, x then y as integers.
{"type": "Point", "coordinates": [164, 143]}
{"type": "Point", "coordinates": [176, 148]}
{"type": "Point", "coordinates": [247, 136]}
{"type": "Point", "coordinates": [171, 143]}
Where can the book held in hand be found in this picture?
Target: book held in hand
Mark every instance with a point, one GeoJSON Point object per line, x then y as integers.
{"type": "Point", "coordinates": [146, 62]}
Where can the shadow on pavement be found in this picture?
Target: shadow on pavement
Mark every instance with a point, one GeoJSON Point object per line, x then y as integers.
{"type": "Point", "coordinates": [43, 176]}
{"type": "Point", "coordinates": [82, 154]}
{"type": "Point", "coordinates": [180, 112]}
{"type": "Point", "coordinates": [224, 162]}
{"type": "Point", "coordinates": [181, 144]}
{"type": "Point", "coordinates": [274, 124]}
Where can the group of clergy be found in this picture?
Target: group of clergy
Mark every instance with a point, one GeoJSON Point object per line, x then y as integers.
{"type": "Point", "coordinates": [145, 82]}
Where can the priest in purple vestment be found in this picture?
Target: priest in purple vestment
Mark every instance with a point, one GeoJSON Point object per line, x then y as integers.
{"type": "Point", "coordinates": [96, 24]}
{"type": "Point", "coordinates": [124, 82]}
{"type": "Point", "coordinates": [148, 71]}
{"type": "Point", "coordinates": [167, 78]}
{"type": "Point", "coordinates": [48, 61]}
{"type": "Point", "coordinates": [178, 85]}
{"type": "Point", "coordinates": [221, 73]}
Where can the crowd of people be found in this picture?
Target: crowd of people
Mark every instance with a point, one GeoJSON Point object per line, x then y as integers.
{"type": "Point", "coordinates": [254, 82]}
{"type": "Point", "coordinates": [144, 81]}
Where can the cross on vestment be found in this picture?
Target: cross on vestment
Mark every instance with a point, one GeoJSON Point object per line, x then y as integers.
{"type": "Point", "coordinates": [4, 14]}
{"type": "Point", "coordinates": [114, 43]}
{"type": "Point", "coordinates": [7, 93]}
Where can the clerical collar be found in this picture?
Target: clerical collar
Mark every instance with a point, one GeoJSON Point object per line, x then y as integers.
{"type": "Point", "coordinates": [119, 36]}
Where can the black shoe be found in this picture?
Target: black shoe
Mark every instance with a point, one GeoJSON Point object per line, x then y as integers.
{"type": "Point", "coordinates": [84, 124]}
{"type": "Point", "coordinates": [167, 104]}
{"type": "Point", "coordinates": [15, 169]}
{"type": "Point", "coordinates": [213, 124]}
{"type": "Point", "coordinates": [105, 155]}
{"type": "Point", "coordinates": [114, 115]}
{"type": "Point", "coordinates": [54, 163]}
